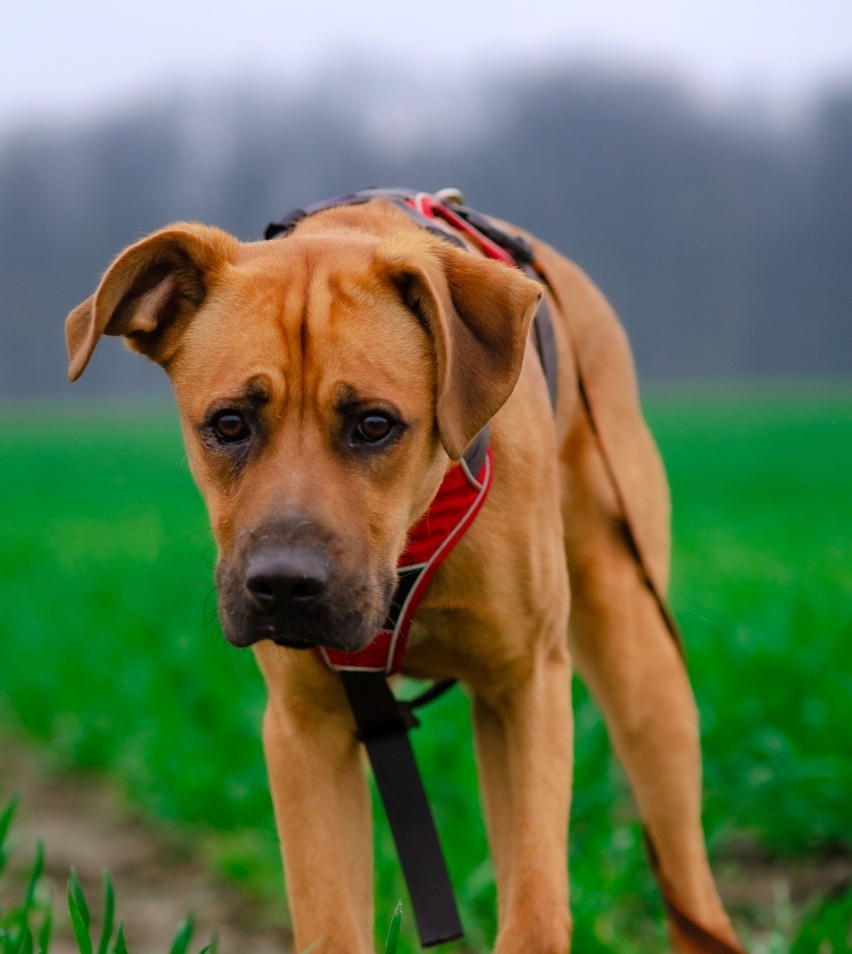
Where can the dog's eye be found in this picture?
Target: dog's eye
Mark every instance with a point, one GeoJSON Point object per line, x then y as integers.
{"type": "Point", "coordinates": [373, 428]}
{"type": "Point", "coordinates": [230, 427]}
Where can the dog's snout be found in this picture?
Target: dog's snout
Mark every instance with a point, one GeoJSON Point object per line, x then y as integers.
{"type": "Point", "coordinates": [289, 581]}
{"type": "Point", "coordinates": [286, 580]}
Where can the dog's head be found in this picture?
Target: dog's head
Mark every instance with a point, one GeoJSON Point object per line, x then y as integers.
{"type": "Point", "coordinates": [323, 381]}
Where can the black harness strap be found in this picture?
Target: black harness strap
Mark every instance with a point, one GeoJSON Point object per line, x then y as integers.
{"type": "Point", "coordinates": [545, 342]}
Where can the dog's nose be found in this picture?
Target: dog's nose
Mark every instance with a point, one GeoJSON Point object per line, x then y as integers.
{"type": "Point", "coordinates": [287, 580]}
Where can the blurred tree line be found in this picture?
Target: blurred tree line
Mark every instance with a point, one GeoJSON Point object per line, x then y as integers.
{"type": "Point", "coordinates": [723, 240]}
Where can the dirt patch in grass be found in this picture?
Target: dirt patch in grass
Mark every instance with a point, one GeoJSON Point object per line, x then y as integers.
{"type": "Point", "coordinates": [765, 894]}
{"type": "Point", "coordinates": [158, 877]}
{"type": "Point", "coordinates": [757, 883]}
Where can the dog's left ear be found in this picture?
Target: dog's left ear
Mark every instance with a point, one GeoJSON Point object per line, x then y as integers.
{"type": "Point", "coordinates": [149, 293]}
{"type": "Point", "coordinates": [477, 312]}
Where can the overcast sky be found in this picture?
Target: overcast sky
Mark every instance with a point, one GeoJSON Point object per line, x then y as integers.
{"type": "Point", "coordinates": [78, 56]}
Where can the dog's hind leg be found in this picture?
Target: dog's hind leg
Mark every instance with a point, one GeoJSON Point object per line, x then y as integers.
{"type": "Point", "coordinates": [629, 661]}
{"type": "Point", "coordinates": [322, 803]}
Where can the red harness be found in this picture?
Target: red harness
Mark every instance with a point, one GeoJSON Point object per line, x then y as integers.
{"type": "Point", "coordinates": [458, 501]}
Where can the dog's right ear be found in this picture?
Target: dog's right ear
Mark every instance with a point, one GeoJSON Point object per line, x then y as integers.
{"type": "Point", "coordinates": [477, 313]}
{"type": "Point", "coordinates": [149, 293]}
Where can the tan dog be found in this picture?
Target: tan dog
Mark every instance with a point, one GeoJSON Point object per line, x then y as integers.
{"type": "Point", "coordinates": [325, 383]}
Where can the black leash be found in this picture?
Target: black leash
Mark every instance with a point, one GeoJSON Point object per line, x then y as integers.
{"type": "Point", "coordinates": [383, 725]}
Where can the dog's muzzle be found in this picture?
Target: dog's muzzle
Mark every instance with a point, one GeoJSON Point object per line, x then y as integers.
{"type": "Point", "coordinates": [287, 586]}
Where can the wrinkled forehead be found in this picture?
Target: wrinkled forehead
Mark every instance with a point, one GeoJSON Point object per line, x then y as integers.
{"type": "Point", "coordinates": [310, 315]}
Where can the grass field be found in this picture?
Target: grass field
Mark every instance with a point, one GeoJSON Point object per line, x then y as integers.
{"type": "Point", "coordinates": [110, 656]}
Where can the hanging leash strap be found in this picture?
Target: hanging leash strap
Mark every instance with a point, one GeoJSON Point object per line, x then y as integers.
{"type": "Point", "coordinates": [383, 725]}
{"type": "Point", "coordinates": [627, 522]}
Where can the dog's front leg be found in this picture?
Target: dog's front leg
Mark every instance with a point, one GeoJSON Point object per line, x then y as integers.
{"type": "Point", "coordinates": [322, 803]}
{"type": "Point", "coordinates": [524, 734]}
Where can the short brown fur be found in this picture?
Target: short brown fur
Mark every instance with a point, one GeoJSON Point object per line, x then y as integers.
{"type": "Point", "coordinates": [359, 302]}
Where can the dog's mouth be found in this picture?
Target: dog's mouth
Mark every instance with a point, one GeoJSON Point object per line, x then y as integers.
{"type": "Point", "coordinates": [344, 619]}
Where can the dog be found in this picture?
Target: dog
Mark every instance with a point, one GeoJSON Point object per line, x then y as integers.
{"type": "Point", "coordinates": [325, 385]}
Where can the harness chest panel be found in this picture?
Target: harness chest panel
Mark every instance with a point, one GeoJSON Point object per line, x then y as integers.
{"type": "Point", "coordinates": [430, 541]}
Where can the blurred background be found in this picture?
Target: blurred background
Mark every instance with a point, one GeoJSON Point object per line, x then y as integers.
{"type": "Point", "coordinates": [694, 159]}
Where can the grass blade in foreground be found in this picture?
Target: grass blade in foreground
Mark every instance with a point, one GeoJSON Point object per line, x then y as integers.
{"type": "Point", "coordinates": [393, 933]}
{"type": "Point", "coordinates": [180, 945]}
{"type": "Point", "coordinates": [76, 892]}
{"type": "Point", "coordinates": [120, 943]}
{"type": "Point", "coordinates": [44, 934]}
{"type": "Point", "coordinates": [18, 932]}
{"type": "Point", "coordinates": [29, 897]}
{"type": "Point", "coordinates": [5, 822]}
{"type": "Point", "coordinates": [109, 915]}
{"type": "Point", "coordinates": [81, 932]}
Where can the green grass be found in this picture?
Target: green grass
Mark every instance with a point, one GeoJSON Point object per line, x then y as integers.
{"type": "Point", "coordinates": [110, 655]}
{"type": "Point", "coordinates": [26, 925]}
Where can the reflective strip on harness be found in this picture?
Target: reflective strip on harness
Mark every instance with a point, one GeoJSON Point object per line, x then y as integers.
{"type": "Point", "coordinates": [458, 501]}
{"type": "Point", "coordinates": [433, 209]}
